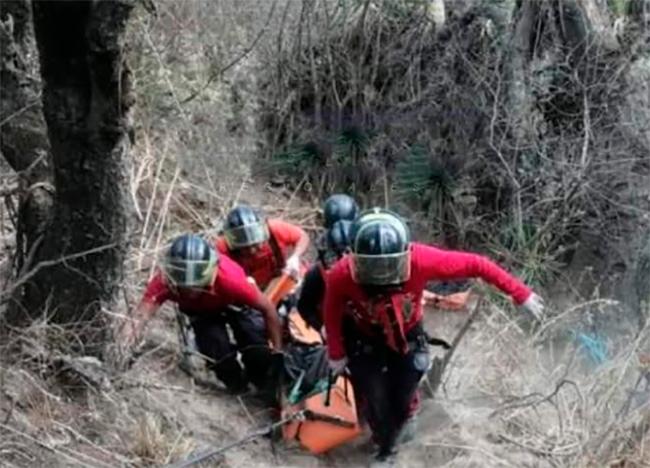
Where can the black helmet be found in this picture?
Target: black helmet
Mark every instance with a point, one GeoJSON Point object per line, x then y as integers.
{"type": "Point", "coordinates": [190, 262]}
{"type": "Point", "coordinates": [381, 253]}
{"type": "Point", "coordinates": [245, 227]}
{"type": "Point", "coordinates": [338, 237]}
{"type": "Point", "coordinates": [339, 206]}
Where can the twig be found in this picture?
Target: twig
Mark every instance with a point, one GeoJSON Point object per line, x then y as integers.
{"type": "Point", "coordinates": [570, 310]}
{"type": "Point", "coordinates": [295, 191]}
{"type": "Point", "coordinates": [214, 75]}
{"type": "Point", "coordinates": [439, 370]}
{"type": "Point", "coordinates": [11, 190]}
{"type": "Point", "coordinates": [48, 263]}
{"type": "Point", "coordinates": [77, 435]}
{"type": "Point", "coordinates": [83, 460]}
{"type": "Point", "coordinates": [567, 450]}
{"type": "Point", "coordinates": [469, 448]}
{"type": "Point", "coordinates": [522, 404]}
{"type": "Point", "coordinates": [163, 218]}
{"type": "Point", "coordinates": [245, 408]}
{"type": "Point", "coordinates": [127, 384]}
{"type": "Point", "coordinates": [30, 256]}
{"type": "Point", "coordinates": [20, 111]}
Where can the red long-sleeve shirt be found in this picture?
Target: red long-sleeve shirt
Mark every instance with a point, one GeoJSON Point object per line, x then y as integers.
{"type": "Point", "coordinates": [343, 296]}
{"type": "Point", "coordinates": [263, 266]}
{"type": "Point", "coordinates": [228, 287]}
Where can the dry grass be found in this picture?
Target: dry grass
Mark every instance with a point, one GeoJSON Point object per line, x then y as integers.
{"type": "Point", "coordinates": [540, 400]}
{"type": "Point", "coordinates": [511, 397]}
{"type": "Point", "coordinates": [155, 443]}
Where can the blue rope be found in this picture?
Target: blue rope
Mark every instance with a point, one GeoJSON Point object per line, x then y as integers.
{"type": "Point", "coordinates": [594, 345]}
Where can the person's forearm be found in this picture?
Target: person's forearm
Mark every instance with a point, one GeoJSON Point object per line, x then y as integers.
{"type": "Point", "coordinates": [271, 319]}
{"type": "Point", "coordinates": [274, 329]}
{"type": "Point", "coordinates": [302, 245]}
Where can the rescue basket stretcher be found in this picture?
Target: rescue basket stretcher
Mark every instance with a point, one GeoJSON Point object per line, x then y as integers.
{"type": "Point", "coordinates": [328, 414]}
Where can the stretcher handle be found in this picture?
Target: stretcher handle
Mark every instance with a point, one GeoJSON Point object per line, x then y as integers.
{"type": "Point", "coordinates": [328, 393]}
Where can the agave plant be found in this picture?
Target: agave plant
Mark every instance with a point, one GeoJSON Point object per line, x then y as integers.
{"type": "Point", "coordinates": [297, 160]}
{"type": "Point", "coordinates": [425, 183]}
{"type": "Point", "coordinates": [535, 264]}
{"type": "Point", "coordinates": [352, 144]}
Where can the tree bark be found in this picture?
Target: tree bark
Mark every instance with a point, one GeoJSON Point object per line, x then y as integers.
{"type": "Point", "coordinates": [520, 98]}
{"type": "Point", "coordinates": [23, 133]}
{"type": "Point", "coordinates": [87, 98]}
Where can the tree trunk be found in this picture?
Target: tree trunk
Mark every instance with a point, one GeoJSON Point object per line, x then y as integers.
{"type": "Point", "coordinates": [518, 55]}
{"type": "Point", "coordinates": [23, 133]}
{"type": "Point", "coordinates": [87, 97]}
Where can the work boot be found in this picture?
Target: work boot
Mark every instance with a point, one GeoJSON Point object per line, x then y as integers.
{"type": "Point", "coordinates": [408, 431]}
{"type": "Point", "coordinates": [384, 458]}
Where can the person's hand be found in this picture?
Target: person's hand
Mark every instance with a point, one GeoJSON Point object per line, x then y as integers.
{"type": "Point", "coordinates": [429, 298]}
{"type": "Point", "coordinates": [337, 366]}
{"type": "Point", "coordinates": [292, 266]}
{"type": "Point", "coordinates": [535, 305]}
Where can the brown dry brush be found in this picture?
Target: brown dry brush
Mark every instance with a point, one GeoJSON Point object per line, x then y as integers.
{"type": "Point", "coordinates": [374, 98]}
{"type": "Point", "coordinates": [554, 402]}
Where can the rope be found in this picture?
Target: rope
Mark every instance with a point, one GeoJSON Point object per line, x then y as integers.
{"type": "Point", "coordinates": [210, 453]}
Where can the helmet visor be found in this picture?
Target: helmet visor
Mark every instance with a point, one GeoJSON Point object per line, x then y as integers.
{"type": "Point", "coordinates": [190, 273]}
{"type": "Point", "coordinates": [245, 236]}
{"type": "Point", "coordinates": [381, 269]}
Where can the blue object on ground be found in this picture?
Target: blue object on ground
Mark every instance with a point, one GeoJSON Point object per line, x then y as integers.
{"type": "Point", "coordinates": [594, 345]}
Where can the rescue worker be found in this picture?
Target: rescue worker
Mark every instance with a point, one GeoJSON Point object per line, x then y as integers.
{"type": "Point", "coordinates": [337, 207]}
{"type": "Point", "coordinates": [206, 286]}
{"type": "Point", "coordinates": [373, 315]}
{"type": "Point", "coordinates": [263, 248]}
{"type": "Point", "coordinates": [310, 303]}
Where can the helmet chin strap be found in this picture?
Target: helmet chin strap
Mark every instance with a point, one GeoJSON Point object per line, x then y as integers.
{"type": "Point", "coordinates": [373, 290]}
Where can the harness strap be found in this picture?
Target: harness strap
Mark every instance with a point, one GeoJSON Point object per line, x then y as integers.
{"type": "Point", "coordinates": [438, 342]}
{"type": "Point", "coordinates": [336, 420]}
{"type": "Point", "coordinates": [277, 253]}
{"type": "Point", "coordinates": [368, 347]}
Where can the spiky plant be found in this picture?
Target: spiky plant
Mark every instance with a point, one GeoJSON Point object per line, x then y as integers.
{"type": "Point", "coordinates": [533, 262]}
{"type": "Point", "coordinates": [425, 183]}
{"type": "Point", "coordinates": [297, 160]}
{"type": "Point", "coordinates": [351, 148]}
{"type": "Point", "coordinates": [352, 144]}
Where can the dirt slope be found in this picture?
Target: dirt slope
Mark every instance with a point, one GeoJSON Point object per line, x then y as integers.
{"type": "Point", "coordinates": [513, 395]}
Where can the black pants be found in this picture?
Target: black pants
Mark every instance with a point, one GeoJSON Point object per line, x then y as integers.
{"type": "Point", "coordinates": [249, 330]}
{"type": "Point", "coordinates": [311, 298]}
{"type": "Point", "coordinates": [385, 382]}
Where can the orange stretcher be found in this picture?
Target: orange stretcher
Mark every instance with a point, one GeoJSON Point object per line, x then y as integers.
{"type": "Point", "coordinates": [455, 301]}
{"type": "Point", "coordinates": [326, 421]}
{"type": "Point", "coordinates": [324, 426]}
